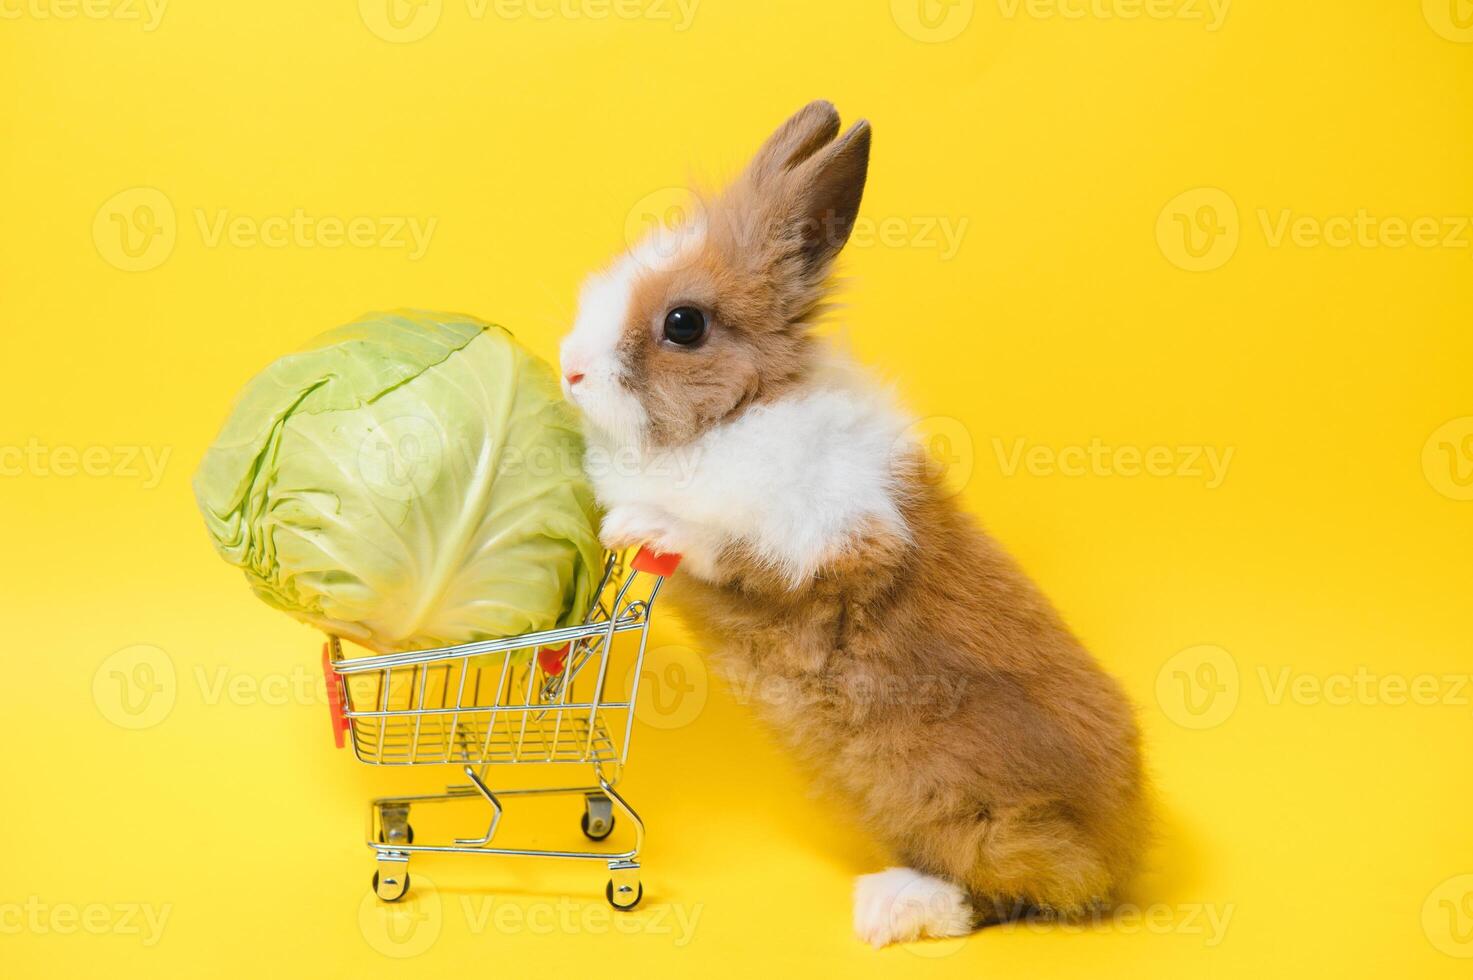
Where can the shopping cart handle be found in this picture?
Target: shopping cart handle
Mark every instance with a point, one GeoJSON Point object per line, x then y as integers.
{"type": "Point", "coordinates": [334, 698]}
{"type": "Point", "coordinates": [654, 563]}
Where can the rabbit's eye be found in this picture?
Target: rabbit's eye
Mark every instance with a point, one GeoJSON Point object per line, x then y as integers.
{"type": "Point", "coordinates": [685, 326]}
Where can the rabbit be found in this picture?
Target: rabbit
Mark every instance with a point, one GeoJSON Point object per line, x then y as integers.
{"type": "Point", "coordinates": [903, 657]}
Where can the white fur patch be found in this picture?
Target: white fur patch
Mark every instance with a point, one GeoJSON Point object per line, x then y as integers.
{"type": "Point", "coordinates": [901, 905]}
{"type": "Point", "coordinates": [792, 479]}
{"type": "Point", "coordinates": [591, 349]}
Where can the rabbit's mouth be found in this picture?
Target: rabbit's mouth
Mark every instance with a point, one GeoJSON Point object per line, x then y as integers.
{"type": "Point", "coordinates": [608, 405]}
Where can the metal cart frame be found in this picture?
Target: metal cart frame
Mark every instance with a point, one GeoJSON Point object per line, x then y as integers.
{"type": "Point", "coordinates": [536, 699]}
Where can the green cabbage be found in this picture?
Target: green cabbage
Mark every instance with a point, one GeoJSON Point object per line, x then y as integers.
{"type": "Point", "coordinates": [407, 481]}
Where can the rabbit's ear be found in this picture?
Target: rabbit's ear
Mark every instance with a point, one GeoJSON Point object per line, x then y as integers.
{"type": "Point", "coordinates": [825, 195]}
{"type": "Point", "coordinates": [810, 130]}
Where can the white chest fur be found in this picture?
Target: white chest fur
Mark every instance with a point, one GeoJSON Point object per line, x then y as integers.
{"type": "Point", "coordinates": [791, 480]}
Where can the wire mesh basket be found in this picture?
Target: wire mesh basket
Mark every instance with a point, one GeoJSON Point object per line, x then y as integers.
{"type": "Point", "coordinates": [537, 699]}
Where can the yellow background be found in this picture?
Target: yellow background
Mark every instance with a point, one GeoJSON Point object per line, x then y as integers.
{"type": "Point", "coordinates": [1325, 831]}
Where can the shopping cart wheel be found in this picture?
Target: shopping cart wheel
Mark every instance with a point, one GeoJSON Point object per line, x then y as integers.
{"type": "Point", "coordinates": [622, 901]}
{"type": "Point", "coordinates": [624, 889]}
{"type": "Point", "coordinates": [598, 816]}
{"type": "Point", "coordinates": [408, 836]}
{"type": "Point", "coordinates": [396, 888]}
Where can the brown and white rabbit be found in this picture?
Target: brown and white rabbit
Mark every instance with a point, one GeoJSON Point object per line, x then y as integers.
{"type": "Point", "coordinates": [924, 678]}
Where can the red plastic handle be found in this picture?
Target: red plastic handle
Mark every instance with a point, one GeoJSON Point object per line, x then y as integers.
{"type": "Point", "coordinates": [553, 659]}
{"type": "Point", "coordinates": [654, 563]}
{"type": "Point", "coordinates": [334, 699]}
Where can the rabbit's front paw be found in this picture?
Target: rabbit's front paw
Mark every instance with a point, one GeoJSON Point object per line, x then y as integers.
{"type": "Point", "coordinates": [632, 525]}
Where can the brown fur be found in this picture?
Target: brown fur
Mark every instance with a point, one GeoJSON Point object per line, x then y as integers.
{"type": "Point", "coordinates": [924, 678]}
{"type": "Point", "coordinates": [932, 687]}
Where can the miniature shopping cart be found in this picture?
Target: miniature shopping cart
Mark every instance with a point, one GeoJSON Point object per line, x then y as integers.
{"type": "Point", "coordinates": [539, 699]}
